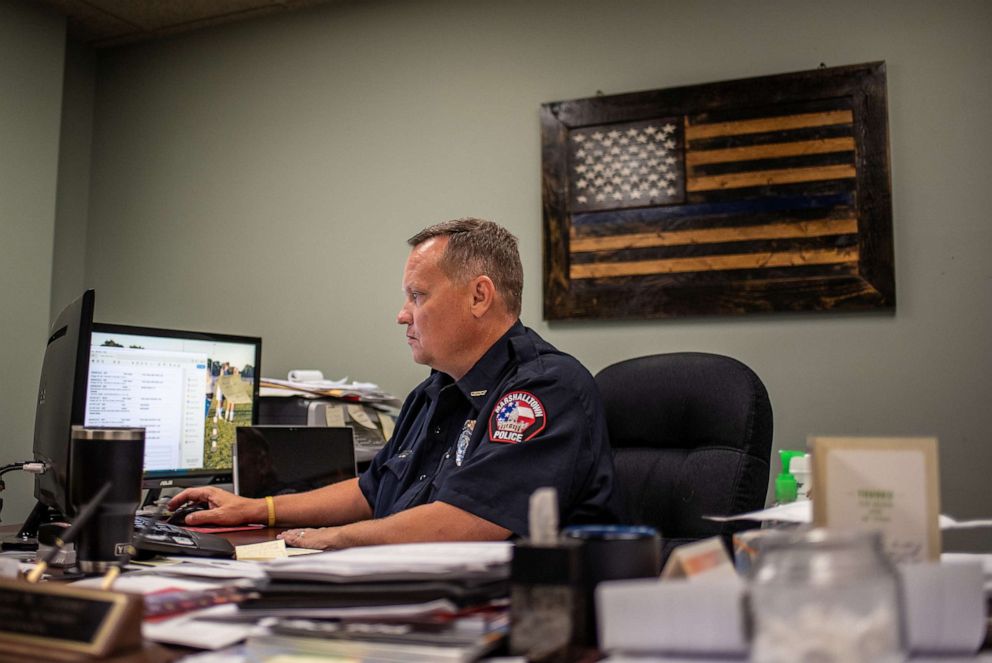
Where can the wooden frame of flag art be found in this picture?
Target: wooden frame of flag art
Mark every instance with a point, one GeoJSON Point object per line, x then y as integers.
{"type": "Point", "coordinates": [760, 194]}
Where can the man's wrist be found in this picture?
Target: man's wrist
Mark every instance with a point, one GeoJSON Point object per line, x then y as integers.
{"type": "Point", "coordinates": [259, 511]}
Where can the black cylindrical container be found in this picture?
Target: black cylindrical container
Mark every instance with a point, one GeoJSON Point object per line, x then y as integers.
{"type": "Point", "coordinates": [614, 552]}
{"type": "Point", "coordinates": [99, 455]}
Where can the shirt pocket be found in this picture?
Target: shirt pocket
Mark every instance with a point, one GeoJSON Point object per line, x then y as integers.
{"type": "Point", "coordinates": [446, 469]}
{"type": "Point", "coordinates": [398, 467]}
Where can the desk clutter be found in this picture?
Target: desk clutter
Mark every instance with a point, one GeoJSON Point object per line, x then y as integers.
{"type": "Point", "coordinates": [307, 399]}
{"type": "Point", "coordinates": [463, 601]}
{"type": "Point", "coordinates": [433, 602]}
{"type": "Point", "coordinates": [807, 604]}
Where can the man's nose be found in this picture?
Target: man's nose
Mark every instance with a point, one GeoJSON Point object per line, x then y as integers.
{"type": "Point", "coordinates": [403, 317]}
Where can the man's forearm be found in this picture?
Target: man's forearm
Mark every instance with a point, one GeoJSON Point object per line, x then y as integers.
{"type": "Point", "coordinates": [436, 521]}
{"type": "Point", "coordinates": [336, 504]}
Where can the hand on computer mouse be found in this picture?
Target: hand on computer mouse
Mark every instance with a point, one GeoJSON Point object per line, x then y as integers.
{"type": "Point", "coordinates": [225, 508]}
{"type": "Point", "coordinates": [178, 516]}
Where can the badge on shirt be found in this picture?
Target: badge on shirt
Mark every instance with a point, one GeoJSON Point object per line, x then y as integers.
{"type": "Point", "coordinates": [463, 439]}
{"type": "Point", "coordinates": [517, 417]}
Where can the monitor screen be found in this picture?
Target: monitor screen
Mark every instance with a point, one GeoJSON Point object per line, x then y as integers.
{"type": "Point", "coordinates": [188, 390]}
{"type": "Point", "coordinates": [61, 397]}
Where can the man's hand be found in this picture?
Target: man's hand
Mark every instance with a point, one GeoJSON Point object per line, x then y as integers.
{"type": "Point", "coordinates": [225, 508]}
{"type": "Point", "coordinates": [324, 538]}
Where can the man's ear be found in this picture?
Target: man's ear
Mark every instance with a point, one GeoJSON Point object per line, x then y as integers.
{"type": "Point", "coordinates": [483, 295]}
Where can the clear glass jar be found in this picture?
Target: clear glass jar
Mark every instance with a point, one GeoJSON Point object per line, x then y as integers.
{"type": "Point", "coordinates": [824, 596]}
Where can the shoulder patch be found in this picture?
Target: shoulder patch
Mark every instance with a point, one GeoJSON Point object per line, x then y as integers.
{"type": "Point", "coordinates": [517, 417]}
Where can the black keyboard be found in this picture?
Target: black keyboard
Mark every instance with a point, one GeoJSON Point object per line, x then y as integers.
{"type": "Point", "coordinates": [155, 537]}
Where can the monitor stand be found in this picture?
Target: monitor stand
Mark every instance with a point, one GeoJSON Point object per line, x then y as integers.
{"type": "Point", "coordinates": [27, 537]}
{"type": "Point", "coordinates": [151, 496]}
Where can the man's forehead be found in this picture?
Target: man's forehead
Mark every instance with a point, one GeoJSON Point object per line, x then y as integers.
{"type": "Point", "coordinates": [432, 248]}
{"type": "Point", "coordinates": [423, 262]}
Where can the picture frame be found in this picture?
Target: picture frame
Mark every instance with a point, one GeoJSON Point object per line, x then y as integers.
{"type": "Point", "coordinates": [891, 484]}
{"type": "Point", "coordinates": [754, 195]}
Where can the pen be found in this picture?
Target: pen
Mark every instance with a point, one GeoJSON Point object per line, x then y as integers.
{"type": "Point", "coordinates": [77, 524]}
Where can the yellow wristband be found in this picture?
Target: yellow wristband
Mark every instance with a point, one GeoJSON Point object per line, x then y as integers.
{"type": "Point", "coordinates": [271, 504]}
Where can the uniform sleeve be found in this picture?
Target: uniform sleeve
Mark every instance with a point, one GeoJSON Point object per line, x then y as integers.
{"type": "Point", "coordinates": [545, 428]}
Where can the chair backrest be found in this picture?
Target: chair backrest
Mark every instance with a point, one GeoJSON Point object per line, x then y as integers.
{"type": "Point", "coordinates": [691, 434]}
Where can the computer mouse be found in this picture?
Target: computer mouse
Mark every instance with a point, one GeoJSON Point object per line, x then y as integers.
{"type": "Point", "coordinates": [178, 516]}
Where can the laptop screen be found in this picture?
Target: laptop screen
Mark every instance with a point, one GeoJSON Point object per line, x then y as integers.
{"type": "Point", "coordinates": [278, 460]}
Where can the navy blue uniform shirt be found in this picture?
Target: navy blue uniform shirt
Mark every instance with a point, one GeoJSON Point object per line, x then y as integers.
{"type": "Point", "coordinates": [525, 416]}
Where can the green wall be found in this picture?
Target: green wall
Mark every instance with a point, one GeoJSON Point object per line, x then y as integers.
{"type": "Point", "coordinates": [31, 57]}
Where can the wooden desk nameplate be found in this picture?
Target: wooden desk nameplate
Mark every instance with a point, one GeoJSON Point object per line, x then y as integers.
{"type": "Point", "coordinates": [50, 621]}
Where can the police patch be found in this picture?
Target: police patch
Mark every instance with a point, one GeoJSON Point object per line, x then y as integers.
{"type": "Point", "coordinates": [517, 417]}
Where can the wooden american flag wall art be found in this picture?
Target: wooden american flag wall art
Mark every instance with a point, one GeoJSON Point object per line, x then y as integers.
{"type": "Point", "coordinates": [760, 194]}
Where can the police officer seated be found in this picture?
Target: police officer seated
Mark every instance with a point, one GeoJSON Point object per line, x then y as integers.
{"type": "Point", "coordinates": [502, 413]}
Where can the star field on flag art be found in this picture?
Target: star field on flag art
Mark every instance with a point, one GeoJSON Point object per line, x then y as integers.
{"type": "Point", "coordinates": [636, 164]}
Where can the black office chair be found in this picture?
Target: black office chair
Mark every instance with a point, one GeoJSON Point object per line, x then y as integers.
{"type": "Point", "coordinates": [691, 434]}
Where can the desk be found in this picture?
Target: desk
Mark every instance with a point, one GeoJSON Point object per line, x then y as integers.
{"type": "Point", "coordinates": [172, 653]}
{"type": "Point", "coordinates": [252, 536]}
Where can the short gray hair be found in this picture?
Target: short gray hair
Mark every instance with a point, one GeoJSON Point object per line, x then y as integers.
{"type": "Point", "coordinates": [480, 247]}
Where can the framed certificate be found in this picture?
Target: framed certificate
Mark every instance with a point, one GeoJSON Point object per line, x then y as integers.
{"type": "Point", "coordinates": [880, 483]}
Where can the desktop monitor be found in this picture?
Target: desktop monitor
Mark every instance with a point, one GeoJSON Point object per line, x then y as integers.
{"type": "Point", "coordinates": [188, 390]}
{"type": "Point", "coordinates": [61, 401]}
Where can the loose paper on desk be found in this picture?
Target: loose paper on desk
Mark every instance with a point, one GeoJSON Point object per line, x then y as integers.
{"type": "Point", "coordinates": [388, 424]}
{"type": "Point", "coordinates": [268, 550]}
{"type": "Point", "coordinates": [649, 617]}
{"type": "Point", "coordinates": [802, 513]}
{"type": "Point", "coordinates": [698, 560]}
{"type": "Point", "coordinates": [9, 567]}
{"type": "Point", "coordinates": [192, 630]}
{"type": "Point", "coordinates": [208, 568]}
{"type": "Point", "coordinates": [305, 375]}
{"type": "Point", "coordinates": [143, 583]}
{"type": "Point", "coordinates": [263, 551]}
{"type": "Point", "coordinates": [402, 561]}
{"type": "Point", "coordinates": [408, 610]}
{"type": "Point", "coordinates": [543, 517]}
{"type": "Point", "coordinates": [944, 606]}
{"type": "Point", "coordinates": [793, 512]}
{"type": "Point", "coordinates": [359, 416]}
{"type": "Point", "coordinates": [334, 415]}
{"type": "Point", "coordinates": [325, 384]}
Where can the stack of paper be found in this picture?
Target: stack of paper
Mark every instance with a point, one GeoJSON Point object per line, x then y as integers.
{"type": "Point", "coordinates": [420, 602]}
{"type": "Point", "coordinates": [410, 561]}
{"type": "Point", "coordinates": [365, 392]}
{"type": "Point", "coordinates": [457, 574]}
{"type": "Point", "coordinates": [381, 642]}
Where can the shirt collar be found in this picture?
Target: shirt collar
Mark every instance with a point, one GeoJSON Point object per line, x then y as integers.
{"type": "Point", "coordinates": [482, 377]}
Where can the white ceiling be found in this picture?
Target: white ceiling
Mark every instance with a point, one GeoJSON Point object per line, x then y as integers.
{"type": "Point", "coordinates": [102, 23]}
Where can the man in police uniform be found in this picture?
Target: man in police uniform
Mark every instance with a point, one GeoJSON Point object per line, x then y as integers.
{"type": "Point", "coordinates": [502, 414]}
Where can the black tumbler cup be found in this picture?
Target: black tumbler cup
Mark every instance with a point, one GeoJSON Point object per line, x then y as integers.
{"type": "Point", "coordinates": [98, 456]}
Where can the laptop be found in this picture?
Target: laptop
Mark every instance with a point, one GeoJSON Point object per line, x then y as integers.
{"type": "Point", "coordinates": [279, 460]}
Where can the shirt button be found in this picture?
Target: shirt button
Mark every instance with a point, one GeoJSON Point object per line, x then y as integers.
{"type": "Point", "coordinates": [421, 477]}
{"type": "Point", "coordinates": [437, 430]}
